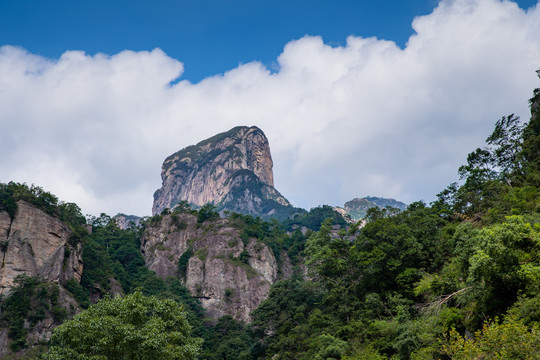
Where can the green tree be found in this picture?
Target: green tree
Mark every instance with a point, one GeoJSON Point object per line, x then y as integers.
{"type": "Point", "coordinates": [134, 327]}
{"type": "Point", "coordinates": [504, 264]}
{"type": "Point", "coordinates": [531, 141]}
{"type": "Point", "coordinates": [509, 340]}
{"type": "Point", "coordinates": [207, 212]}
{"type": "Point", "coordinates": [505, 143]}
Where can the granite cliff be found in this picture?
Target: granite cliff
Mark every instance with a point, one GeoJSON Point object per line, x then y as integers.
{"type": "Point", "coordinates": [232, 170]}
{"type": "Point", "coordinates": [36, 244]}
{"type": "Point", "coordinates": [229, 272]}
{"type": "Point", "coordinates": [38, 250]}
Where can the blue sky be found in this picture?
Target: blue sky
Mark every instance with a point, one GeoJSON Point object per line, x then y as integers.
{"type": "Point", "coordinates": [357, 98]}
{"type": "Point", "coordinates": [209, 37]}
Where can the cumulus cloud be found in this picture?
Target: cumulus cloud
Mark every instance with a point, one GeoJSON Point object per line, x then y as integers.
{"type": "Point", "coordinates": [365, 118]}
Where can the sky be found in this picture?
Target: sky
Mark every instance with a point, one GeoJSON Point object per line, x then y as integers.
{"type": "Point", "coordinates": [357, 98]}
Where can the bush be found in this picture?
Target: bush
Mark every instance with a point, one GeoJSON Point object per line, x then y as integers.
{"type": "Point", "coordinates": [207, 212]}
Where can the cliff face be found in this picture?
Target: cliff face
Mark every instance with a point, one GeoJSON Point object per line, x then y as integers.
{"type": "Point", "coordinates": [229, 275]}
{"type": "Point", "coordinates": [232, 170]}
{"type": "Point", "coordinates": [36, 244]}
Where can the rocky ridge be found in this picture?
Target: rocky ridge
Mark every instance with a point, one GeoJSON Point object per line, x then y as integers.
{"type": "Point", "coordinates": [232, 170]}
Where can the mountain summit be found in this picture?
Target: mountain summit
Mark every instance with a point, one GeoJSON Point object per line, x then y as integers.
{"type": "Point", "coordinates": [232, 170]}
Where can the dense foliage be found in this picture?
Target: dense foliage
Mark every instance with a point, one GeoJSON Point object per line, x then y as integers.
{"type": "Point", "coordinates": [29, 303]}
{"type": "Point", "coordinates": [313, 219]}
{"type": "Point", "coordinates": [131, 327]}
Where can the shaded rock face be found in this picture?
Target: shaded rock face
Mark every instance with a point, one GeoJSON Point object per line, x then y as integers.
{"type": "Point", "coordinates": [228, 275]}
{"type": "Point", "coordinates": [36, 244]}
{"type": "Point", "coordinates": [232, 170]}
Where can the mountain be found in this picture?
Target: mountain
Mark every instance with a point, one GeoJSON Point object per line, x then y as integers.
{"type": "Point", "coordinates": [358, 207]}
{"type": "Point", "coordinates": [232, 170]}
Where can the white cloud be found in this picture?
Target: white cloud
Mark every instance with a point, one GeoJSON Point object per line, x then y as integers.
{"type": "Point", "coordinates": [366, 118]}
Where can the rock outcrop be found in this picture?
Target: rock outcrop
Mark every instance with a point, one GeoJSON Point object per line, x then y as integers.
{"type": "Point", "coordinates": [34, 243]}
{"type": "Point", "coordinates": [358, 207]}
{"type": "Point", "coordinates": [232, 170]}
{"type": "Point", "coordinates": [229, 275]}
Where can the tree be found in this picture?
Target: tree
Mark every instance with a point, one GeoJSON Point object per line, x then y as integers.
{"type": "Point", "coordinates": [207, 212]}
{"type": "Point", "coordinates": [498, 160]}
{"type": "Point", "coordinates": [504, 264]}
{"type": "Point", "coordinates": [505, 143]}
{"type": "Point", "coordinates": [531, 141]}
{"type": "Point", "coordinates": [135, 327]}
{"type": "Point", "coordinates": [509, 340]}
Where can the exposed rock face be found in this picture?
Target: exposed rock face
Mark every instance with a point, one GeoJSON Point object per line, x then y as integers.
{"type": "Point", "coordinates": [358, 207]}
{"type": "Point", "coordinates": [36, 244]}
{"type": "Point", "coordinates": [228, 275]}
{"type": "Point", "coordinates": [232, 170]}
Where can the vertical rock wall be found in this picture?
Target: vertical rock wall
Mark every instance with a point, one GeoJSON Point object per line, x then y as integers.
{"type": "Point", "coordinates": [36, 244]}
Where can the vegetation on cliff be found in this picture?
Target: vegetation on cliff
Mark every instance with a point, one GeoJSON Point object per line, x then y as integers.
{"type": "Point", "coordinates": [69, 213]}
{"type": "Point", "coordinates": [30, 302]}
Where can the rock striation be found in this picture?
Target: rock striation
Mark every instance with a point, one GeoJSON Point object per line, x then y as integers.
{"type": "Point", "coordinates": [232, 170]}
{"type": "Point", "coordinates": [230, 275]}
{"type": "Point", "coordinates": [34, 243]}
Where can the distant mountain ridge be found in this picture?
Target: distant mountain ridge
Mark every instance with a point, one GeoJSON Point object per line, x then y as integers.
{"type": "Point", "coordinates": [358, 207]}
{"type": "Point", "coordinates": [232, 170]}
{"type": "Point", "coordinates": [126, 221]}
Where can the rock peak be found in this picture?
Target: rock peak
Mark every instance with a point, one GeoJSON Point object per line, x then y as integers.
{"type": "Point", "coordinates": [232, 170]}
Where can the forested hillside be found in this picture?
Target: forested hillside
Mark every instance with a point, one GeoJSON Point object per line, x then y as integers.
{"type": "Point", "coordinates": [456, 279]}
